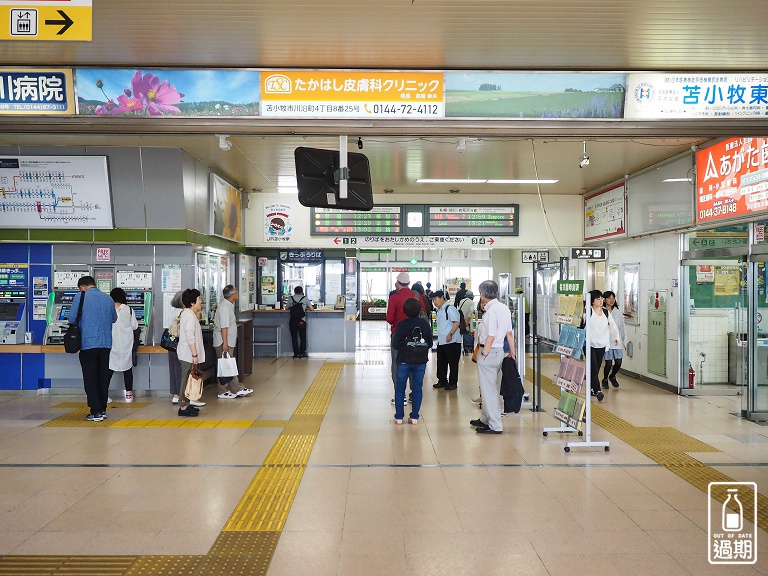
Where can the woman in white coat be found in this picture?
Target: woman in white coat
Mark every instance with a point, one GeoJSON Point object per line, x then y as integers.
{"type": "Point", "coordinates": [121, 355]}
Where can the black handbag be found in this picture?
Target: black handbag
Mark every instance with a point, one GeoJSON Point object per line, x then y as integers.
{"type": "Point", "coordinates": [167, 341]}
{"type": "Point", "coordinates": [72, 337]}
{"type": "Point", "coordinates": [416, 350]}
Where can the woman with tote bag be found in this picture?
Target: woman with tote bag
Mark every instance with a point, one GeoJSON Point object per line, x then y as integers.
{"type": "Point", "coordinates": [190, 349]}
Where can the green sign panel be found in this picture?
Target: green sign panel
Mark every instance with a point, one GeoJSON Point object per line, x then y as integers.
{"type": "Point", "coordinates": [570, 287]}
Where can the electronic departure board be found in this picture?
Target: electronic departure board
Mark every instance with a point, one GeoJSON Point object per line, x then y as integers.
{"type": "Point", "coordinates": [381, 220]}
{"type": "Point", "coordinates": [474, 220]}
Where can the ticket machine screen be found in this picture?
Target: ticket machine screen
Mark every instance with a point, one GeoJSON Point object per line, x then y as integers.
{"type": "Point", "coordinates": [64, 314]}
{"type": "Point", "coordinates": [9, 311]}
{"type": "Point", "coordinates": [139, 313]}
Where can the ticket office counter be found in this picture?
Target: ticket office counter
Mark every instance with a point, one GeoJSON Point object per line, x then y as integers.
{"type": "Point", "coordinates": [328, 333]}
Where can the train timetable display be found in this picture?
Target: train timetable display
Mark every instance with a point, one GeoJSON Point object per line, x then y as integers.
{"type": "Point", "coordinates": [380, 220]}
{"type": "Point", "coordinates": [474, 220]}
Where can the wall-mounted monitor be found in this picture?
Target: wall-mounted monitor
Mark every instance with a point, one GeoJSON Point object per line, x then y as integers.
{"type": "Point", "coordinates": [318, 185]}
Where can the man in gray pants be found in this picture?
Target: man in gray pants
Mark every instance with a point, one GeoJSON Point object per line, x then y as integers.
{"type": "Point", "coordinates": [494, 327]}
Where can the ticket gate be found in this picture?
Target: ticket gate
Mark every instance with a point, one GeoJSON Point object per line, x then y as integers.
{"type": "Point", "coordinates": [13, 320]}
{"type": "Point", "coordinates": [57, 315]}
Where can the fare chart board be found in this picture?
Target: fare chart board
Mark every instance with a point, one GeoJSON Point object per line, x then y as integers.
{"type": "Point", "coordinates": [474, 220]}
{"type": "Point", "coordinates": [381, 220]}
{"type": "Point", "coordinates": [55, 192]}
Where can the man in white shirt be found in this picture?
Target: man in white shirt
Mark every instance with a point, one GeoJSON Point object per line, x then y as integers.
{"type": "Point", "coordinates": [448, 342]}
{"type": "Point", "coordinates": [225, 341]}
{"type": "Point", "coordinates": [495, 326]}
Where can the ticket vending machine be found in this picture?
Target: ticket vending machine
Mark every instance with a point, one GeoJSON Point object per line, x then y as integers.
{"type": "Point", "coordinates": [141, 303]}
{"type": "Point", "coordinates": [13, 321]}
{"type": "Point", "coordinates": [57, 315]}
{"type": "Point", "coordinates": [137, 284]}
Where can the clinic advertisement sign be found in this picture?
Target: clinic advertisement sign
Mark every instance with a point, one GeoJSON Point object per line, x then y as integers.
{"type": "Point", "coordinates": [696, 95]}
{"type": "Point", "coordinates": [604, 214]}
{"type": "Point", "coordinates": [352, 94]}
{"type": "Point", "coordinates": [36, 91]}
{"type": "Point", "coordinates": [732, 179]}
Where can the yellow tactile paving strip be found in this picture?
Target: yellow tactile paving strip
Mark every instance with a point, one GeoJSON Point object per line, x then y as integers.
{"type": "Point", "coordinates": [668, 447]}
{"type": "Point", "coordinates": [247, 543]}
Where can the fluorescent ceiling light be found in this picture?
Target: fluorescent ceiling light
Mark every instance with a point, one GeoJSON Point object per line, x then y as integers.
{"type": "Point", "coordinates": [449, 181]}
{"type": "Point", "coordinates": [478, 181]}
{"type": "Point", "coordinates": [215, 250]}
{"type": "Point", "coordinates": [521, 181]}
{"type": "Point", "coordinates": [676, 180]}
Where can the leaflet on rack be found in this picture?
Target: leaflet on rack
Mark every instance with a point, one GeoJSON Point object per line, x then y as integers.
{"type": "Point", "coordinates": [570, 376]}
{"type": "Point", "coordinates": [570, 410]}
{"type": "Point", "coordinates": [571, 341]}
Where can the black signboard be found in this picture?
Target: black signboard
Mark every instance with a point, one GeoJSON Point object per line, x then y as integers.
{"type": "Point", "coordinates": [589, 254]}
{"type": "Point", "coordinates": [381, 220]}
{"type": "Point", "coordinates": [474, 220]}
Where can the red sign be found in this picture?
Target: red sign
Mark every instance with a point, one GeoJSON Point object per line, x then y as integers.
{"type": "Point", "coordinates": [732, 179]}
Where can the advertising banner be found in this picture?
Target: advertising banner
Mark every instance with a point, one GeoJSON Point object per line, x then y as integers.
{"type": "Point", "coordinates": [732, 179]}
{"type": "Point", "coordinates": [604, 214]}
{"type": "Point", "coordinates": [352, 94]}
{"type": "Point", "coordinates": [35, 91]}
{"type": "Point", "coordinates": [697, 95]}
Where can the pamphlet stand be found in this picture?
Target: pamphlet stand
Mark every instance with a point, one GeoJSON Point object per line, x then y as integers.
{"type": "Point", "coordinates": [587, 442]}
{"type": "Point", "coordinates": [565, 385]}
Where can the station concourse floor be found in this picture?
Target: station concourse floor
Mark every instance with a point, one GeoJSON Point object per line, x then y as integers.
{"type": "Point", "coordinates": [310, 475]}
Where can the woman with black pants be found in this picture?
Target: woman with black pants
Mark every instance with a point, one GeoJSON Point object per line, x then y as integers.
{"type": "Point", "coordinates": [601, 334]}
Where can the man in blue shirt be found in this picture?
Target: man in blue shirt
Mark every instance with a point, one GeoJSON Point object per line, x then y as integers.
{"type": "Point", "coordinates": [95, 322]}
{"type": "Point", "coordinates": [448, 342]}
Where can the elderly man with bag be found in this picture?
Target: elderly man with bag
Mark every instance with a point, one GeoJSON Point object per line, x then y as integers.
{"type": "Point", "coordinates": [225, 342]}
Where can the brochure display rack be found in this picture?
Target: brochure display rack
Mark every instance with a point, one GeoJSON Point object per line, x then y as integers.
{"type": "Point", "coordinates": [570, 378]}
{"type": "Point", "coordinates": [574, 410]}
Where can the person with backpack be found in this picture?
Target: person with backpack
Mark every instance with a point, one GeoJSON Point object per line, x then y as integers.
{"type": "Point", "coordinates": [298, 304]}
{"type": "Point", "coordinates": [602, 333]}
{"type": "Point", "coordinates": [448, 342]}
{"type": "Point", "coordinates": [413, 339]}
{"type": "Point", "coordinates": [466, 312]}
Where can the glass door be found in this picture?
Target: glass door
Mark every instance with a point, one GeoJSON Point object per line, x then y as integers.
{"type": "Point", "coordinates": [755, 401]}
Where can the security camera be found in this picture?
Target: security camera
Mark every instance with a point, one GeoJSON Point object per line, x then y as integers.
{"type": "Point", "coordinates": [584, 157]}
{"type": "Point", "coordinates": [224, 142]}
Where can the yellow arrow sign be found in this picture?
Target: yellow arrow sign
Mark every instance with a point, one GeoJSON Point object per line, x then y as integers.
{"type": "Point", "coordinates": [46, 20]}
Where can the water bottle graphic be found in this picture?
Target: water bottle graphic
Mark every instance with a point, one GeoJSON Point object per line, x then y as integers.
{"type": "Point", "coordinates": [733, 520]}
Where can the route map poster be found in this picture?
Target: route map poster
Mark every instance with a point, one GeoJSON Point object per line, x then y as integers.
{"type": "Point", "coordinates": [55, 192]}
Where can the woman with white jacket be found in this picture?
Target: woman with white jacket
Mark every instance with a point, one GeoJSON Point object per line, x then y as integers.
{"type": "Point", "coordinates": [121, 355]}
{"type": "Point", "coordinates": [602, 334]}
{"type": "Point", "coordinates": [615, 354]}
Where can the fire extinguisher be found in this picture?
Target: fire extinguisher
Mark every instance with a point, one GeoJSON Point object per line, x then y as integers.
{"type": "Point", "coordinates": [691, 376]}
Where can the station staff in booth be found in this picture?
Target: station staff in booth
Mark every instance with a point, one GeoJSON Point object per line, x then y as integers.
{"type": "Point", "coordinates": [225, 341]}
{"type": "Point", "coordinates": [95, 322]}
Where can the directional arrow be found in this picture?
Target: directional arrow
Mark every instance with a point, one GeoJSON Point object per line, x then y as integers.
{"type": "Point", "coordinates": [336, 240]}
{"type": "Point", "coordinates": [65, 23]}
{"type": "Point", "coordinates": [491, 240]}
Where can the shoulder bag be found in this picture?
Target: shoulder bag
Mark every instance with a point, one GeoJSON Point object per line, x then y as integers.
{"type": "Point", "coordinates": [170, 338]}
{"type": "Point", "coordinates": [73, 337]}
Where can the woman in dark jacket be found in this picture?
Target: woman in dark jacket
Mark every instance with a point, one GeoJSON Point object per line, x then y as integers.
{"type": "Point", "coordinates": [406, 330]}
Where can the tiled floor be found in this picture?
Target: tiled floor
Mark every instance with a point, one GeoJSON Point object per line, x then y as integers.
{"type": "Point", "coordinates": [376, 498]}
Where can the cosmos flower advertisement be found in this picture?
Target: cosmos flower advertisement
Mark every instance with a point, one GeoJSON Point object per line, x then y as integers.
{"type": "Point", "coordinates": [156, 93]}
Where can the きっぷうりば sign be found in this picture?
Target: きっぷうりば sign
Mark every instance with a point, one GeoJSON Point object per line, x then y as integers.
{"type": "Point", "coordinates": [732, 179]}
{"type": "Point", "coordinates": [352, 94]}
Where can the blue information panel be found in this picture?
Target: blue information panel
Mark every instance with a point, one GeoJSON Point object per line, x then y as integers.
{"type": "Point", "coordinates": [14, 276]}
